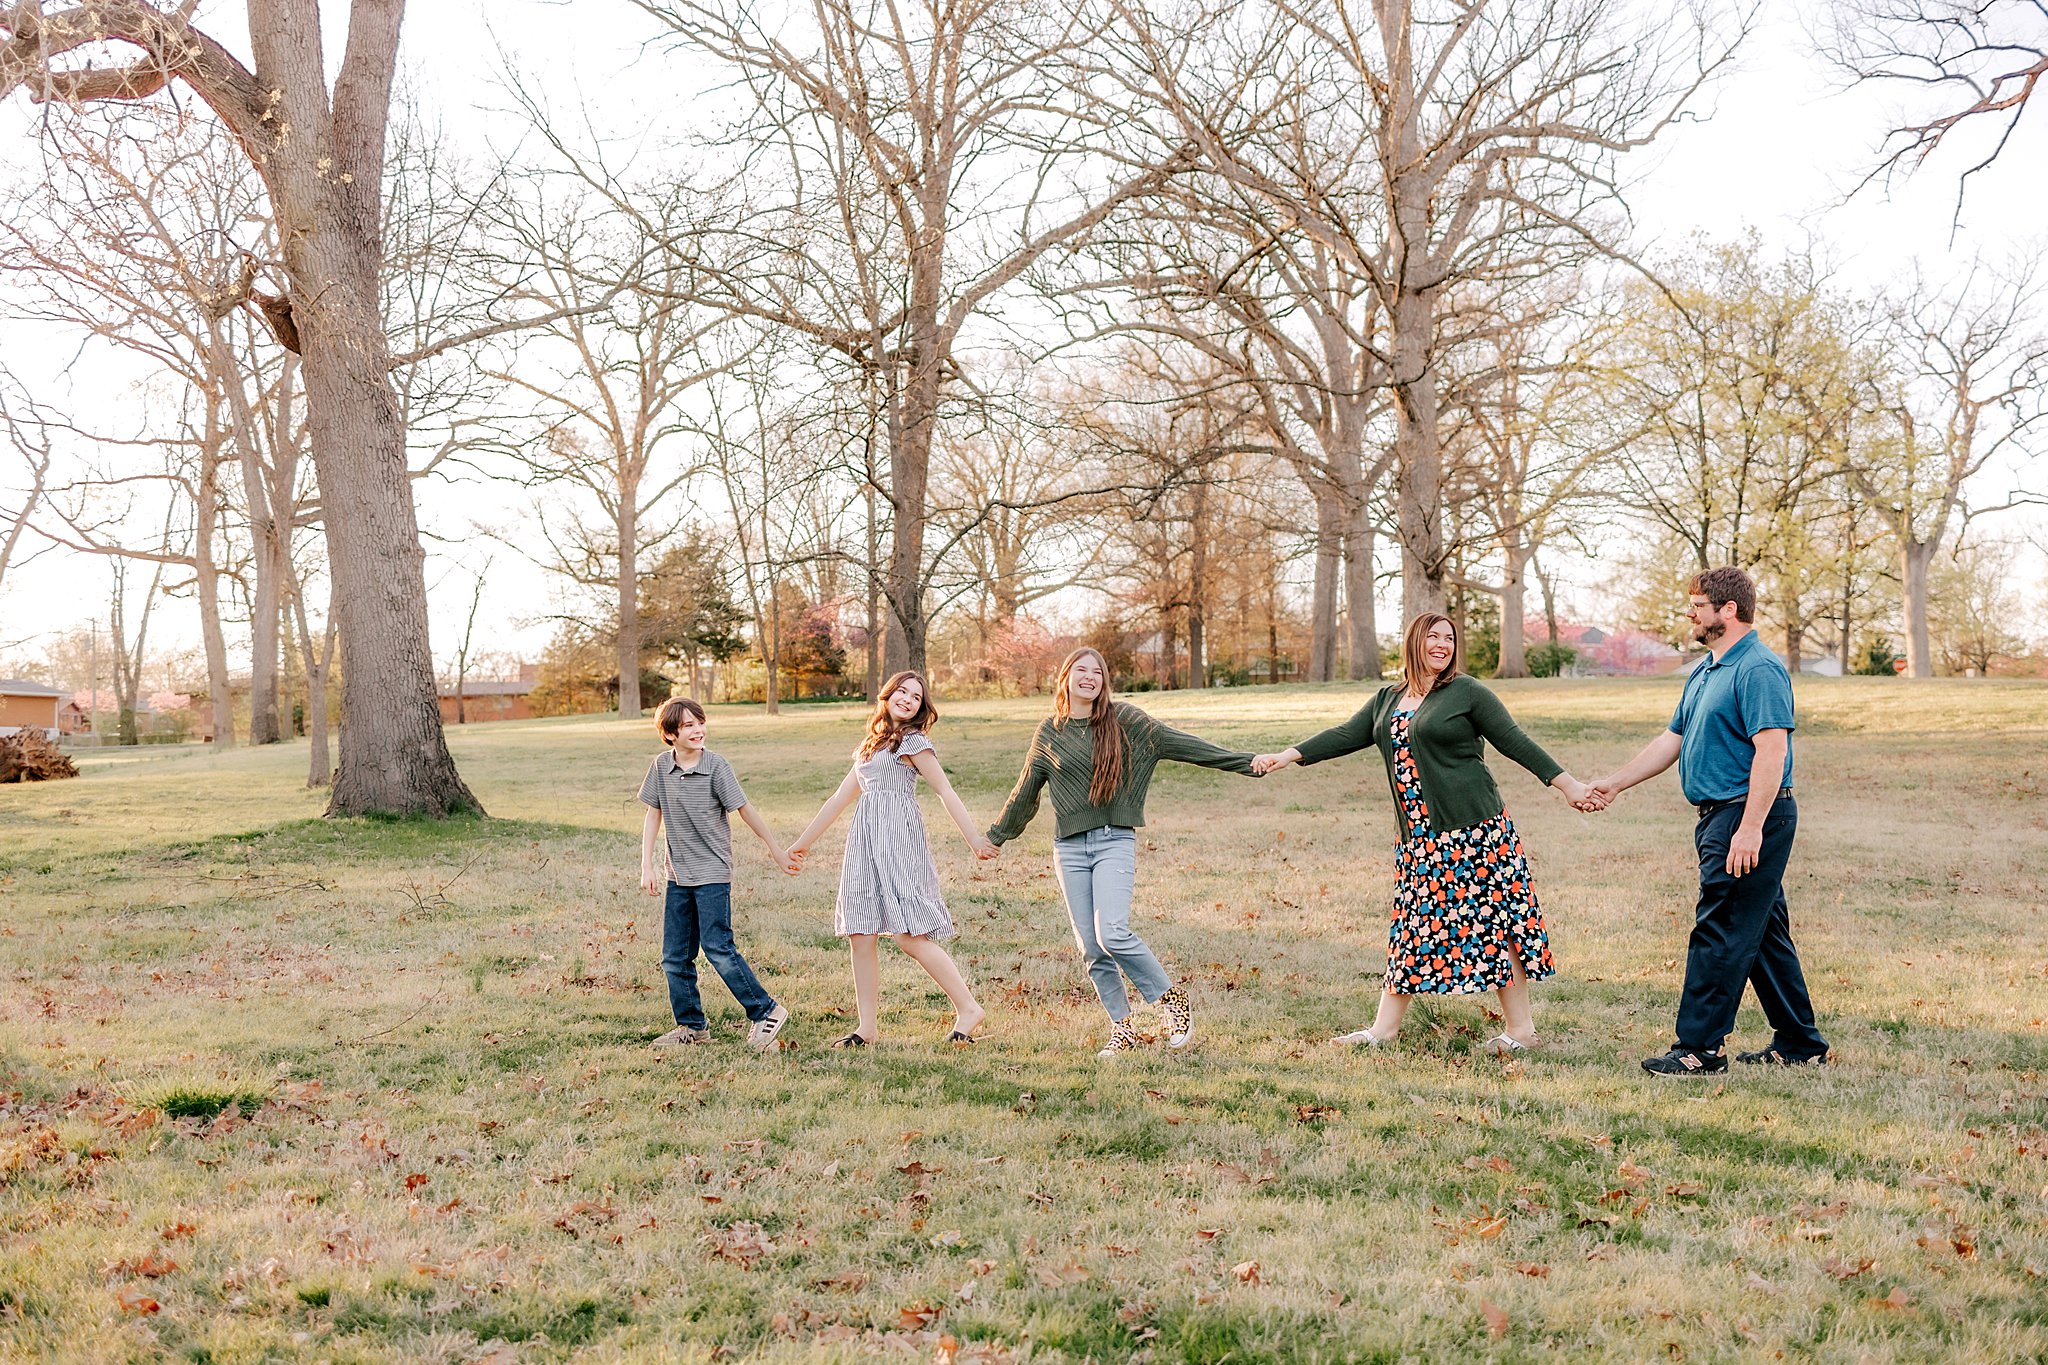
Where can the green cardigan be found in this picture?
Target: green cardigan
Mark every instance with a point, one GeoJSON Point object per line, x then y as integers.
{"type": "Point", "coordinates": [1062, 756]}
{"type": "Point", "coordinates": [1448, 737]}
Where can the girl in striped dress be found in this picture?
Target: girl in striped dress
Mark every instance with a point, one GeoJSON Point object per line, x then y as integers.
{"type": "Point", "coordinates": [888, 883]}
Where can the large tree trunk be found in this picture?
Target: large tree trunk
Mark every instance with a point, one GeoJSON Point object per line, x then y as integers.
{"type": "Point", "coordinates": [1359, 539]}
{"type": "Point", "coordinates": [1514, 587]}
{"type": "Point", "coordinates": [325, 178]}
{"type": "Point", "coordinates": [629, 609]}
{"type": "Point", "coordinates": [912, 425]}
{"type": "Point", "coordinates": [1322, 640]}
{"type": "Point", "coordinates": [1418, 459]}
{"type": "Point", "coordinates": [1914, 558]}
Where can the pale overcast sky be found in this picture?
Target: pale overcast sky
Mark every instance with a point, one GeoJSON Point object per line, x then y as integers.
{"type": "Point", "coordinates": [1776, 149]}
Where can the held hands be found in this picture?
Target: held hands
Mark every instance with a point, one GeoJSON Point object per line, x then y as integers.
{"type": "Point", "coordinates": [986, 849]}
{"type": "Point", "coordinates": [792, 861]}
{"type": "Point", "coordinates": [1263, 764]}
{"type": "Point", "coordinates": [1588, 799]}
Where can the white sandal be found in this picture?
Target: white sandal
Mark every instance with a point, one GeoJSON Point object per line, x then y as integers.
{"type": "Point", "coordinates": [1504, 1046]}
{"type": "Point", "coordinates": [1364, 1037]}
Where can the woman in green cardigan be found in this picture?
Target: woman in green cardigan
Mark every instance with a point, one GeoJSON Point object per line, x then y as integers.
{"type": "Point", "coordinates": [1465, 912]}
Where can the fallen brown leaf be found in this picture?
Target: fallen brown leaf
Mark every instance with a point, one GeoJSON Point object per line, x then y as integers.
{"type": "Point", "coordinates": [1247, 1272]}
{"type": "Point", "coordinates": [135, 1301]}
{"type": "Point", "coordinates": [1897, 1300]}
{"type": "Point", "coordinates": [1496, 1318]}
{"type": "Point", "coordinates": [912, 1317]}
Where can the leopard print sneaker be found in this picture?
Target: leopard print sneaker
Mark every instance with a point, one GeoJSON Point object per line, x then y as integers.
{"type": "Point", "coordinates": [1123, 1037]}
{"type": "Point", "coordinates": [1177, 1017]}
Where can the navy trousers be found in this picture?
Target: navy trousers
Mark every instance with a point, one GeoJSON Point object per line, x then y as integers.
{"type": "Point", "coordinates": [1742, 933]}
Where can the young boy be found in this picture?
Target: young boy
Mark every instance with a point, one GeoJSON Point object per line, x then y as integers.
{"type": "Point", "coordinates": [691, 790]}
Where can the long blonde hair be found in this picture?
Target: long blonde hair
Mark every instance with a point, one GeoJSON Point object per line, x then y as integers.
{"type": "Point", "coordinates": [1105, 730]}
{"type": "Point", "coordinates": [1415, 674]}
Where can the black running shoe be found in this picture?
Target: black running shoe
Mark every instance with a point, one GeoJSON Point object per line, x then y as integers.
{"type": "Point", "coordinates": [1684, 1061]}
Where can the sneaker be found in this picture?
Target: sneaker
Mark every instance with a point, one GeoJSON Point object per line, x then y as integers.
{"type": "Point", "coordinates": [1684, 1061]}
{"type": "Point", "coordinates": [1177, 1018]}
{"type": "Point", "coordinates": [1364, 1037]}
{"type": "Point", "coordinates": [1123, 1037]}
{"type": "Point", "coordinates": [680, 1036]}
{"type": "Point", "coordinates": [1775, 1056]}
{"type": "Point", "coordinates": [761, 1036]}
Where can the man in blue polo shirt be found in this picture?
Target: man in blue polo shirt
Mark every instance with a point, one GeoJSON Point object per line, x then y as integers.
{"type": "Point", "coordinates": [1731, 737]}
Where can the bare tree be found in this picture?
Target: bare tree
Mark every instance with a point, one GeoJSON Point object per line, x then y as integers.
{"type": "Point", "coordinates": [148, 256]}
{"type": "Point", "coordinates": [1493, 130]}
{"type": "Point", "coordinates": [1971, 387]}
{"type": "Point", "coordinates": [1974, 65]}
{"type": "Point", "coordinates": [932, 154]}
{"type": "Point", "coordinates": [1536, 445]}
{"type": "Point", "coordinates": [610, 381]}
{"type": "Point", "coordinates": [1230, 275]}
{"type": "Point", "coordinates": [320, 152]}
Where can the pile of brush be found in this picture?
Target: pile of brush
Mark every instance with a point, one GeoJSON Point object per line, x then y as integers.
{"type": "Point", "coordinates": [32, 756]}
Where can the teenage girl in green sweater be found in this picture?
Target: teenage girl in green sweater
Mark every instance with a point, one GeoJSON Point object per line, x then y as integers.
{"type": "Point", "coordinates": [1097, 755]}
{"type": "Point", "coordinates": [1465, 911]}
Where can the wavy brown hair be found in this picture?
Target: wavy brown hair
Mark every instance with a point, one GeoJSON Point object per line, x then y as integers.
{"type": "Point", "coordinates": [1112, 754]}
{"type": "Point", "coordinates": [884, 728]}
{"type": "Point", "coordinates": [1415, 672]}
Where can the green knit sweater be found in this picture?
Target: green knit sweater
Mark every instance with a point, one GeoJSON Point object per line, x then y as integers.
{"type": "Point", "coordinates": [1448, 737]}
{"type": "Point", "coordinates": [1062, 756]}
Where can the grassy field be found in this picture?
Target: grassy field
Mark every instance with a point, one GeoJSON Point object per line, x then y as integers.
{"type": "Point", "coordinates": [274, 1088]}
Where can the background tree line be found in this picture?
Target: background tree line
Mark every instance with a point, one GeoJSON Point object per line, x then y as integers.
{"type": "Point", "coordinates": [960, 330]}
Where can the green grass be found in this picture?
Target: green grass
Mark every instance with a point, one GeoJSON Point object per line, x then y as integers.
{"type": "Point", "coordinates": [380, 1091]}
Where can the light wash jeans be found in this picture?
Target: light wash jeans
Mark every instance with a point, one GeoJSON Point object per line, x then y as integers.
{"type": "Point", "coordinates": [1097, 870]}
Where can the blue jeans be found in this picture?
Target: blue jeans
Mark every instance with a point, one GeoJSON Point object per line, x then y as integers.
{"type": "Point", "coordinates": [1097, 870]}
{"type": "Point", "coordinates": [696, 917]}
{"type": "Point", "coordinates": [1742, 935]}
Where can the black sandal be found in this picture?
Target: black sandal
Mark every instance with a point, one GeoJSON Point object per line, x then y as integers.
{"type": "Point", "coordinates": [852, 1040]}
{"type": "Point", "coordinates": [956, 1036]}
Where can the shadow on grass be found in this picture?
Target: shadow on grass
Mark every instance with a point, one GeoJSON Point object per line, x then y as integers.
{"type": "Point", "coordinates": [379, 838]}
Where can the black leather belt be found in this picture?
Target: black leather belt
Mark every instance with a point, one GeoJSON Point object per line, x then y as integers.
{"type": "Point", "coordinates": [1706, 808]}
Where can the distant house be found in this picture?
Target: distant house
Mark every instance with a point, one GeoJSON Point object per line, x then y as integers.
{"type": "Point", "coordinates": [490, 700]}
{"type": "Point", "coordinates": [73, 719]}
{"type": "Point", "coordinates": [26, 705]}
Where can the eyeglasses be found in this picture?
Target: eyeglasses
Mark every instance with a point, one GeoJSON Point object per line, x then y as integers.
{"type": "Point", "coordinates": [1692, 607]}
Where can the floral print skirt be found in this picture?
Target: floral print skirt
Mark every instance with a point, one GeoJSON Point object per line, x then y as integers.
{"type": "Point", "coordinates": [1462, 899]}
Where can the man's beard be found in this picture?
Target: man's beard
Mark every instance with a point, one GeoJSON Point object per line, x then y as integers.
{"type": "Point", "coordinates": [1710, 632]}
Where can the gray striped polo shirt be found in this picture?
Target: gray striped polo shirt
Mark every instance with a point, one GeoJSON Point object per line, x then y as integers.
{"type": "Point", "coordinates": [693, 808]}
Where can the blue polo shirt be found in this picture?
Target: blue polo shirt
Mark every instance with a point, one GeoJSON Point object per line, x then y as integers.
{"type": "Point", "coordinates": [1725, 702]}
